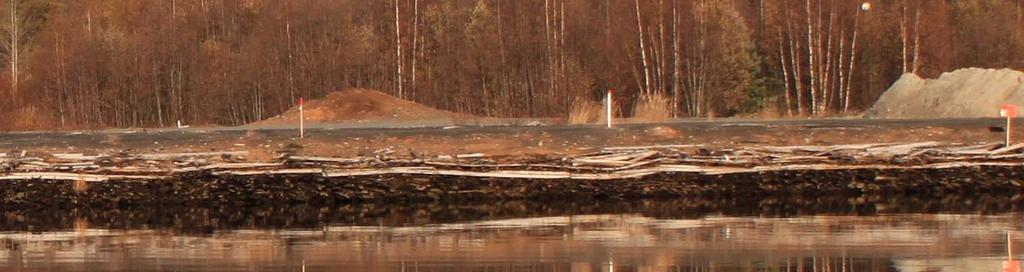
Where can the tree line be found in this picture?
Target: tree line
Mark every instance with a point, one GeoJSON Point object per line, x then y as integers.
{"type": "Point", "coordinates": [135, 63]}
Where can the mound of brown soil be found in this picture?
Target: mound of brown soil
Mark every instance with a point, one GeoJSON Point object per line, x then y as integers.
{"type": "Point", "coordinates": [358, 105]}
{"type": "Point", "coordinates": [963, 93]}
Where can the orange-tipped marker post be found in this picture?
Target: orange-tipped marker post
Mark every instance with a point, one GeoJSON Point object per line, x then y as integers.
{"type": "Point", "coordinates": [1009, 111]}
{"type": "Point", "coordinates": [1010, 265]}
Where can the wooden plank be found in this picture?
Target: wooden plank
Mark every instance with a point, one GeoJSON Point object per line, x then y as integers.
{"type": "Point", "coordinates": [75, 177]}
{"type": "Point", "coordinates": [75, 166]}
{"type": "Point", "coordinates": [979, 149]}
{"type": "Point", "coordinates": [791, 149]}
{"type": "Point", "coordinates": [470, 156]}
{"type": "Point", "coordinates": [644, 156]}
{"type": "Point", "coordinates": [76, 157]}
{"type": "Point", "coordinates": [612, 157]}
{"type": "Point", "coordinates": [835, 148]}
{"type": "Point", "coordinates": [331, 173]}
{"type": "Point", "coordinates": [900, 149]}
{"type": "Point", "coordinates": [34, 163]}
{"type": "Point", "coordinates": [461, 165]}
{"type": "Point", "coordinates": [669, 168]}
{"type": "Point", "coordinates": [175, 156]}
{"type": "Point", "coordinates": [626, 148]}
{"type": "Point", "coordinates": [1007, 149]}
{"type": "Point", "coordinates": [612, 163]}
{"type": "Point", "coordinates": [713, 161]}
{"type": "Point", "coordinates": [232, 166]}
{"type": "Point", "coordinates": [637, 164]}
{"type": "Point", "coordinates": [1006, 156]}
{"type": "Point", "coordinates": [324, 159]}
{"type": "Point", "coordinates": [293, 171]}
{"type": "Point", "coordinates": [135, 169]}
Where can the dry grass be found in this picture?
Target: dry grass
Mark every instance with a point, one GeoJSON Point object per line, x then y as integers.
{"type": "Point", "coordinates": [584, 111]}
{"type": "Point", "coordinates": [652, 108]}
{"type": "Point", "coordinates": [770, 111]}
{"type": "Point", "coordinates": [28, 118]}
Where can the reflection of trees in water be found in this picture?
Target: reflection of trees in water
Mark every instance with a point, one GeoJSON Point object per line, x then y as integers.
{"type": "Point", "coordinates": [790, 263]}
{"type": "Point", "coordinates": [625, 242]}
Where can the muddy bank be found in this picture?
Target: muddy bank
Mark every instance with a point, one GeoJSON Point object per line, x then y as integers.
{"type": "Point", "coordinates": [210, 191]}
{"type": "Point", "coordinates": [201, 220]}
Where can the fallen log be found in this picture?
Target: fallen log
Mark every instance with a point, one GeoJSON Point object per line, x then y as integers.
{"type": "Point", "coordinates": [297, 171]}
{"type": "Point", "coordinates": [178, 156]}
{"type": "Point", "coordinates": [310, 159]}
{"type": "Point", "coordinates": [76, 177]}
{"type": "Point", "coordinates": [646, 147]}
{"type": "Point", "coordinates": [1007, 149]}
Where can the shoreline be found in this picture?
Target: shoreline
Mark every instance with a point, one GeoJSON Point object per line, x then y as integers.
{"type": "Point", "coordinates": [201, 220]}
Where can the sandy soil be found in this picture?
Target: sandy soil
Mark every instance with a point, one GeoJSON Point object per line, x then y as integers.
{"type": "Point", "coordinates": [359, 105]}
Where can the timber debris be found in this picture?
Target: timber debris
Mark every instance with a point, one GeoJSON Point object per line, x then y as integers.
{"type": "Point", "coordinates": [611, 163]}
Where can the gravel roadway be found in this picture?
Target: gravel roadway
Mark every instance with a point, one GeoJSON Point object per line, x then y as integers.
{"type": "Point", "coordinates": [343, 139]}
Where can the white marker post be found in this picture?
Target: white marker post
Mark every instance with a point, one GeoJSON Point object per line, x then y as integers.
{"type": "Point", "coordinates": [302, 119]}
{"type": "Point", "coordinates": [608, 107]}
{"type": "Point", "coordinates": [1009, 111]}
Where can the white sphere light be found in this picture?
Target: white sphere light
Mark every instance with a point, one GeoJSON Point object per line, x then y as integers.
{"type": "Point", "coordinates": [865, 6]}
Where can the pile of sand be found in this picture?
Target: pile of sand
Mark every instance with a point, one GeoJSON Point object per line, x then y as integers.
{"type": "Point", "coordinates": [964, 93]}
{"type": "Point", "coordinates": [358, 105]}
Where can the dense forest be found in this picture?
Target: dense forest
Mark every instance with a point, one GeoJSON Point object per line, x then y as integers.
{"type": "Point", "coordinates": [132, 63]}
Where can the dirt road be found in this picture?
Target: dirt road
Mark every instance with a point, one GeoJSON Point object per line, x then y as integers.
{"type": "Point", "coordinates": [495, 139]}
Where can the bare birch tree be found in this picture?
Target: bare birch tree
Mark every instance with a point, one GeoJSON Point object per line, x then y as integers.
{"type": "Point", "coordinates": [12, 46]}
{"type": "Point", "coordinates": [646, 87]}
{"type": "Point", "coordinates": [398, 51]}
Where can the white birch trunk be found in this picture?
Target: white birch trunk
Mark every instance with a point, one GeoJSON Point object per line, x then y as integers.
{"type": "Point", "coordinates": [904, 39]}
{"type": "Point", "coordinates": [810, 59]}
{"type": "Point", "coordinates": [561, 53]}
{"type": "Point", "coordinates": [291, 61]}
{"type": "Point", "coordinates": [398, 50]}
{"type": "Point", "coordinates": [415, 44]}
{"type": "Point", "coordinates": [14, 52]}
{"type": "Point", "coordinates": [643, 50]}
{"type": "Point", "coordinates": [675, 61]}
{"type": "Point", "coordinates": [794, 53]}
{"type": "Point", "coordinates": [826, 74]}
{"type": "Point", "coordinates": [853, 62]}
{"type": "Point", "coordinates": [841, 59]}
{"type": "Point", "coordinates": [547, 44]}
{"type": "Point", "coordinates": [917, 41]}
{"type": "Point", "coordinates": [785, 74]}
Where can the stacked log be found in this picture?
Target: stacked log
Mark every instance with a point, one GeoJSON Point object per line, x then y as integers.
{"type": "Point", "coordinates": [217, 178]}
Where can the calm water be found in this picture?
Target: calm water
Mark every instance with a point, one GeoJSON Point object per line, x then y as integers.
{"type": "Point", "coordinates": [852, 235]}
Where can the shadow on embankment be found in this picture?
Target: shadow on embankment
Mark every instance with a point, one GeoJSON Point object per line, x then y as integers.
{"type": "Point", "coordinates": [206, 220]}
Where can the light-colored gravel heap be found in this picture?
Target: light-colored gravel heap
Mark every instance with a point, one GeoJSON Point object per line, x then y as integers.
{"type": "Point", "coordinates": [964, 93]}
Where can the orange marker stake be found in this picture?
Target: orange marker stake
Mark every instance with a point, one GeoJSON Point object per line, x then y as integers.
{"type": "Point", "coordinates": [1010, 265]}
{"type": "Point", "coordinates": [1009, 111]}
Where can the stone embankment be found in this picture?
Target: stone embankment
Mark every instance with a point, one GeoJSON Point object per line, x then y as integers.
{"type": "Point", "coordinates": [928, 169]}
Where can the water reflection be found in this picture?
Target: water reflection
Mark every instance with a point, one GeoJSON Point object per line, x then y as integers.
{"type": "Point", "coordinates": [206, 220]}
{"type": "Point", "coordinates": [638, 236]}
